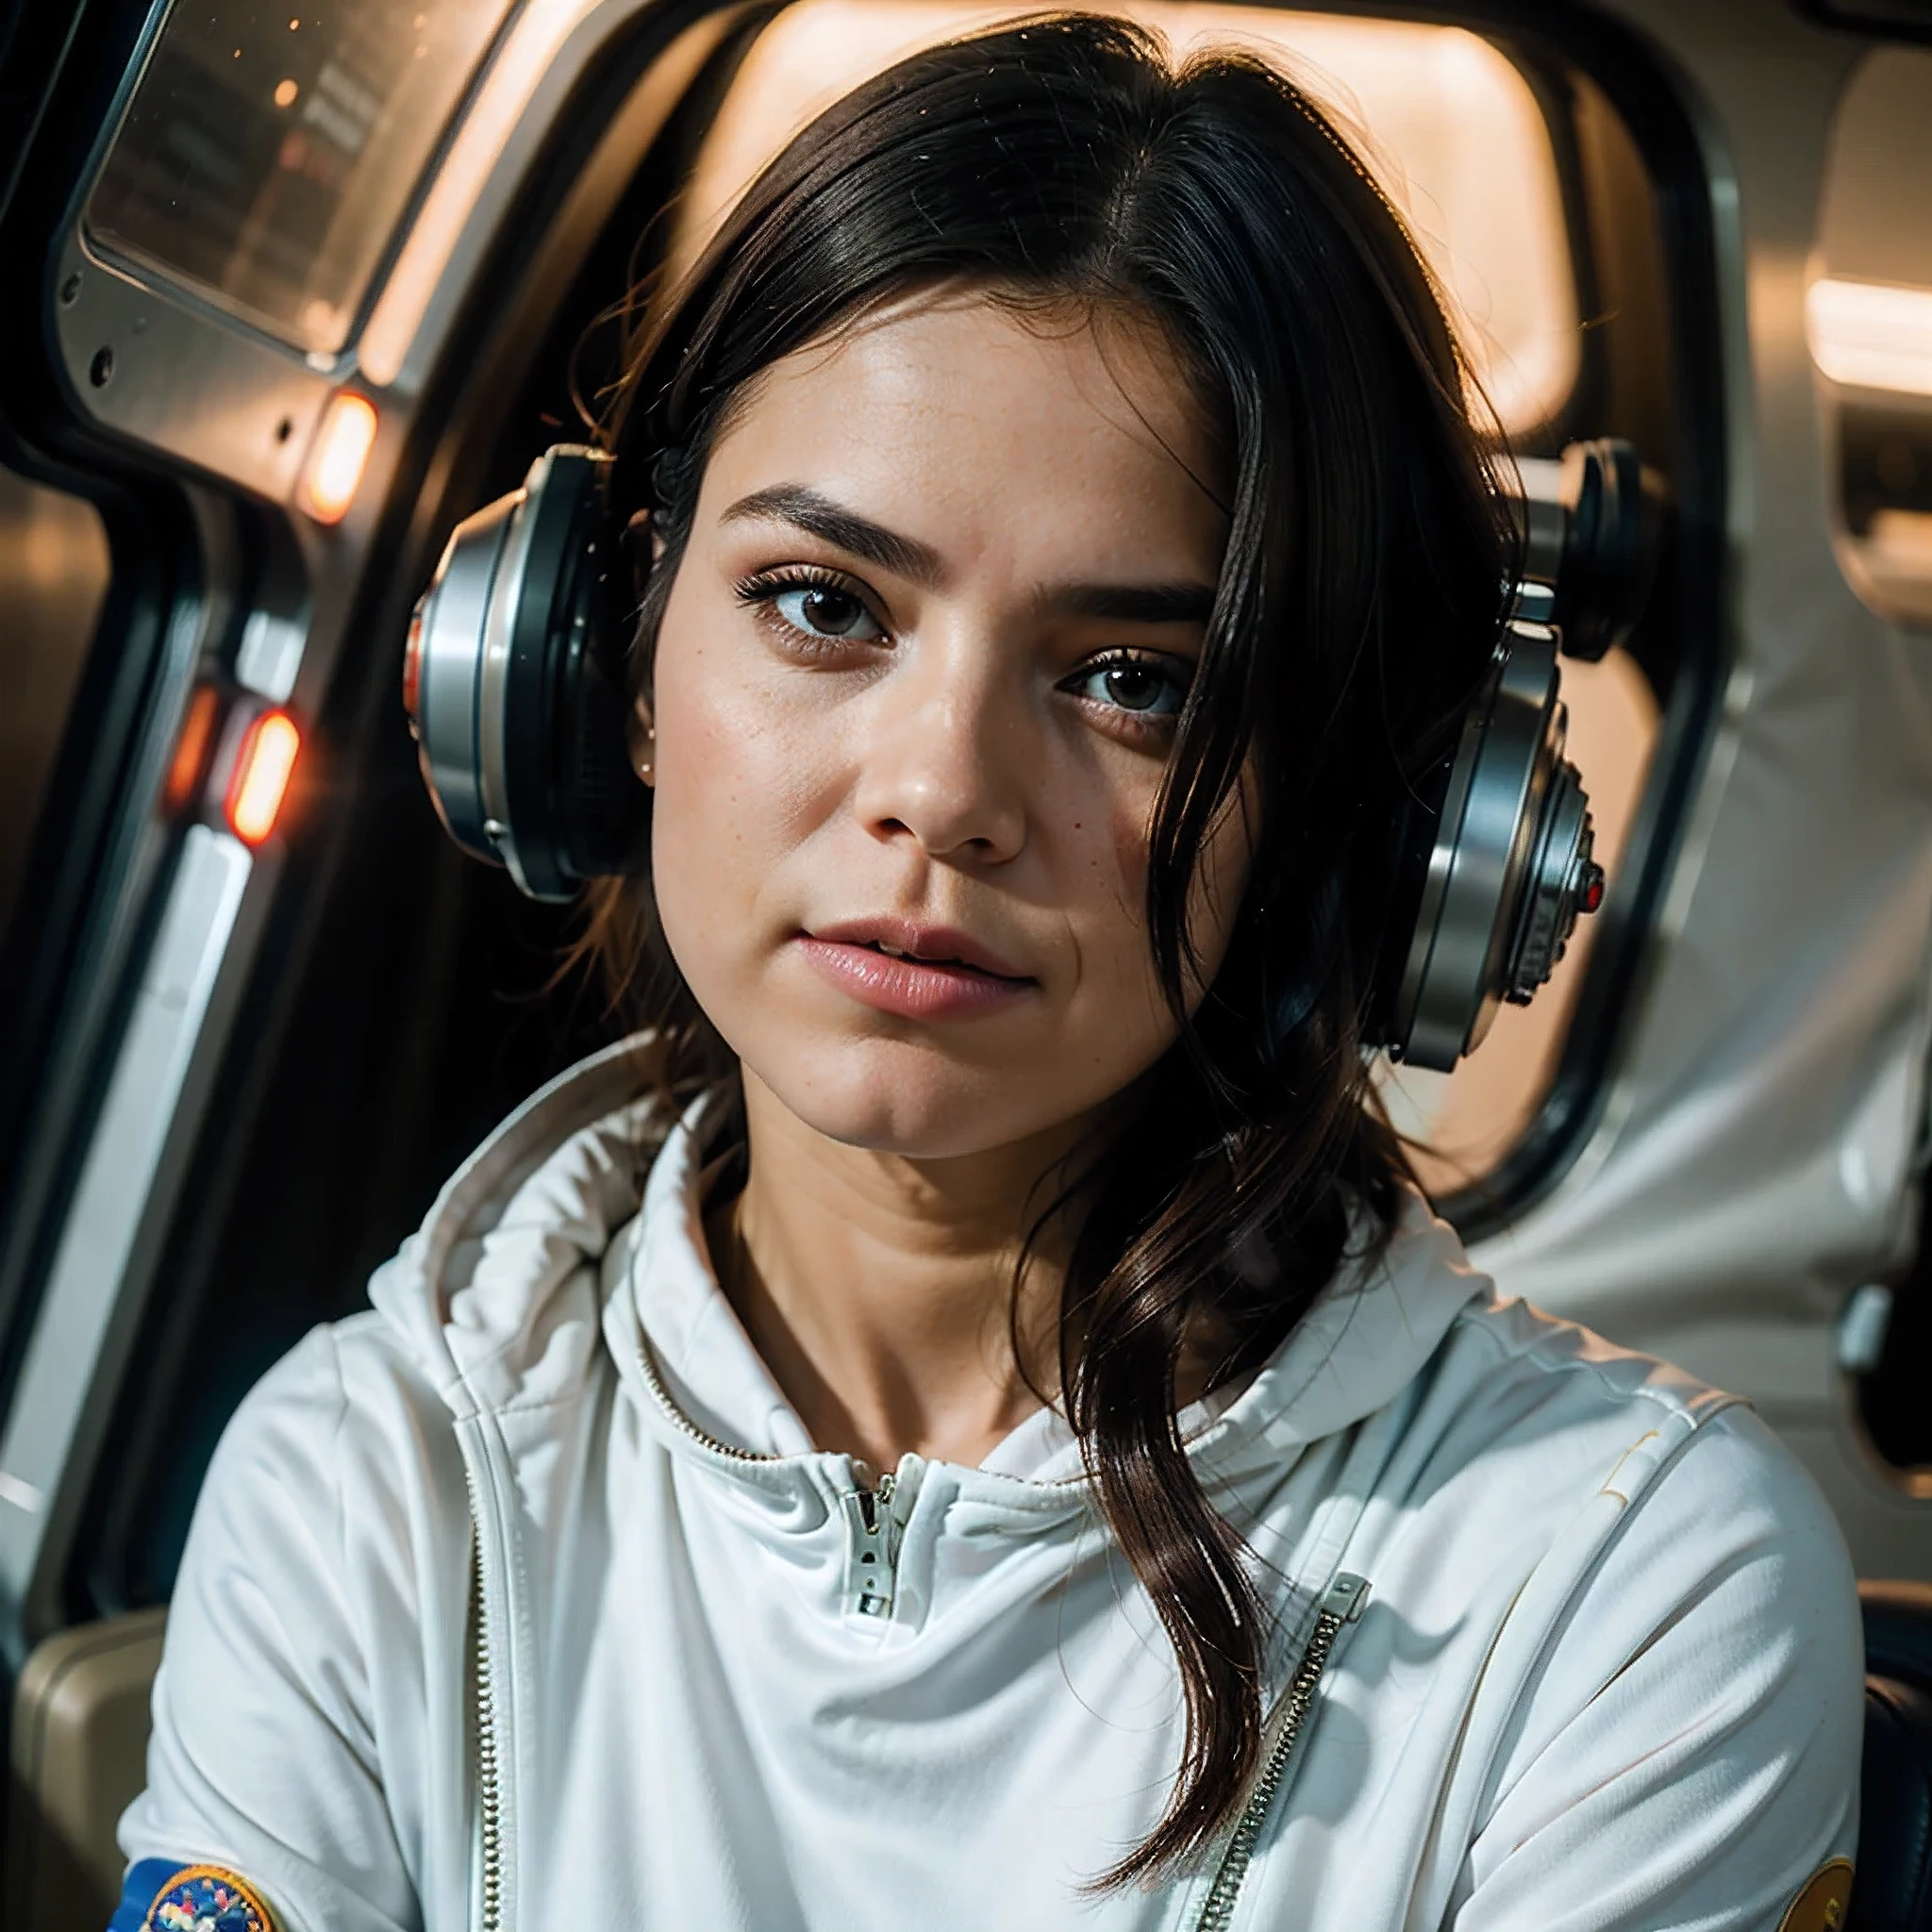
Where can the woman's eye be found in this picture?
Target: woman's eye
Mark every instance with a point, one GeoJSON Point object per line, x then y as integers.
{"type": "Point", "coordinates": [826, 611]}
{"type": "Point", "coordinates": [1132, 684]}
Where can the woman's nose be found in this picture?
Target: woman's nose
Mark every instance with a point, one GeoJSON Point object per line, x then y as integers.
{"type": "Point", "coordinates": [943, 761]}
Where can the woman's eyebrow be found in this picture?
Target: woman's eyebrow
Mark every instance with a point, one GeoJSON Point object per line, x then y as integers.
{"type": "Point", "coordinates": [1133, 603]}
{"type": "Point", "coordinates": [819, 516]}
{"type": "Point", "coordinates": [810, 510]}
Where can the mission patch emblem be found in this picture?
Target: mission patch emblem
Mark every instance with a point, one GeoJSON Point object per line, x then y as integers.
{"type": "Point", "coordinates": [1820, 1907]}
{"type": "Point", "coordinates": [164, 1897]}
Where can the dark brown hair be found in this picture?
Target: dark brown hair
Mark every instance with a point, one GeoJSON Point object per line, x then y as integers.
{"type": "Point", "coordinates": [1067, 160]}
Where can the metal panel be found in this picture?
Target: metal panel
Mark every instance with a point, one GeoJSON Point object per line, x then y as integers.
{"type": "Point", "coordinates": [84, 1306]}
{"type": "Point", "coordinates": [160, 369]}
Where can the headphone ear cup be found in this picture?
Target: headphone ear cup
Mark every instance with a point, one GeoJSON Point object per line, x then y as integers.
{"type": "Point", "coordinates": [443, 675]}
{"type": "Point", "coordinates": [1411, 842]}
{"type": "Point", "coordinates": [514, 682]}
{"type": "Point", "coordinates": [1509, 866]}
{"type": "Point", "coordinates": [604, 806]}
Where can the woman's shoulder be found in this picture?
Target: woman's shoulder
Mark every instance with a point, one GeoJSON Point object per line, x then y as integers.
{"type": "Point", "coordinates": [1529, 1438]}
{"type": "Point", "coordinates": [1507, 1355]}
{"type": "Point", "coordinates": [1668, 1695]}
{"type": "Point", "coordinates": [493, 1300]}
{"type": "Point", "coordinates": [347, 1424]}
{"type": "Point", "coordinates": [1556, 1428]}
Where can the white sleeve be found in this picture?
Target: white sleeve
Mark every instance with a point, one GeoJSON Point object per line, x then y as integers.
{"type": "Point", "coordinates": [264, 1760]}
{"type": "Point", "coordinates": [1688, 1755]}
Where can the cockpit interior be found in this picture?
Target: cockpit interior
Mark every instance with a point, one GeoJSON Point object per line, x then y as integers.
{"type": "Point", "coordinates": [291, 292]}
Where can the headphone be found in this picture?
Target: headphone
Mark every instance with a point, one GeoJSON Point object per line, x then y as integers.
{"type": "Point", "coordinates": [514, 681]}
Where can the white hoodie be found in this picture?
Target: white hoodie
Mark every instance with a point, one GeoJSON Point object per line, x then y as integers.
{"type": "Point", "coordinates": [1608, 1675]}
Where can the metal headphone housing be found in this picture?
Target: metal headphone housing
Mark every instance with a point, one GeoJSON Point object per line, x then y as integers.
{"type": "Point", "coordinates": [515, 683]}
{"type": "Point", "coordinates": [1510, 863]}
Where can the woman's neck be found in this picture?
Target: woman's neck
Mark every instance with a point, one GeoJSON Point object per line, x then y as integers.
{"type": "Point", "coordinates": [878, 1289]}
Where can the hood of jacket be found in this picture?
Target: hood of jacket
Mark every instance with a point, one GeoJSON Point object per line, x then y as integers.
{"type": "Point", "coordinates": [576, 1230]}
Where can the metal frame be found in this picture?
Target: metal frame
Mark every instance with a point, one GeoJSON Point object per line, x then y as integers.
{"type": "Point", "coordinates": [237, 408]}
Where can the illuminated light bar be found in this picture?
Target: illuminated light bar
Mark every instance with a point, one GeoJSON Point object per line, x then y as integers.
{"type": "Point", "coordinates": [509, 85]}
{"type": "Point", "coordinates": [340, 456]}
{"type": "Point", "coordinates": [1872, 335]}
{"type": "Point", "coordinates": [262, 776]}
{"type": "Point", "coordinates": [191, 748]}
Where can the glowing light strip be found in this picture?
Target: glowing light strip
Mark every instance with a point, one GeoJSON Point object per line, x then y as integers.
{"type": "Point", "coordinates": [262, 776]}
{"type": "Point", "coordinates": [506, 91]}
{"type": "Point", "coordinates": [1872, 335]}
{"type": "Point", "coordinates": [340, 453]}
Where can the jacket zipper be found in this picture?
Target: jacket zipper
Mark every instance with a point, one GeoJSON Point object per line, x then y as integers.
{"type": "Point", "coordinates": [872, 1547]}
{"type": "Point", "coordinates": [489, 1782]}
{"type": "Point", "coordinates": [872, 1554]}
{"type": "Point", "coordinates": [871, 1591]}
{"type": "Point", "coordinates": [1345, 1602]}
{"type": "Point", "coordinates": [655, 1382]}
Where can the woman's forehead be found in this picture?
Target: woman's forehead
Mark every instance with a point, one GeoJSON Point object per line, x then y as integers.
{"type": "Point", "coordinates": [1040, 424]}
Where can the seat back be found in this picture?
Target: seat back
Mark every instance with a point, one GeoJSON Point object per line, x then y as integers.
{"type": "Point", "coordinates": [79, 1758]}
{"type": "Point", "coordinates": [1893, 1891]}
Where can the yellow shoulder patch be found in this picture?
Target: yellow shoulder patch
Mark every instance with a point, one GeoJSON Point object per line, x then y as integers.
{"type": "Point", "coordinates": [1821, 1905]}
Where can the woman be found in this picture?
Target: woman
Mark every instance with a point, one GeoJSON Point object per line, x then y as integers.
{"type": "Point", "coordinates": [968, 1423]}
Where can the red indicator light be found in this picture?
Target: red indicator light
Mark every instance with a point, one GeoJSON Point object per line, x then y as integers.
{"type": "Point", "coordinates": [1593, 889]}
{"type": "Point", "coordinates": [412, 668]}
{"type": "Point", "coordinates": [262, 776]}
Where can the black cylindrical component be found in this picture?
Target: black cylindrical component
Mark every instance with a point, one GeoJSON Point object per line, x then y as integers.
{"type": "Point", "coordinates": [1614, 510]}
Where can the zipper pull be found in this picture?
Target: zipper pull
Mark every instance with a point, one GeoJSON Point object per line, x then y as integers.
{"type": "Point", "coordinates": [1347, 1598]}
{"type": "Point", "coordinates": [872, 1549]}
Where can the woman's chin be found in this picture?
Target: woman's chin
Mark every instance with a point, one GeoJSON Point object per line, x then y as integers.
{"type": "Point", "coordinates": [915, 1104]}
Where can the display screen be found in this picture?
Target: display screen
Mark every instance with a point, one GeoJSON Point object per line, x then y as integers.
{"type": "Point", "coordinates": [269, 153]}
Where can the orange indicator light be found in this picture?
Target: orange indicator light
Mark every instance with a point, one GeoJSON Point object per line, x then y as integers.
{"type": "Point", "coordinates": [340, 453]}
{"type": "Point", "coordinates": [191, 747]}
{"type": "Point", "coordinates": [262, 776]}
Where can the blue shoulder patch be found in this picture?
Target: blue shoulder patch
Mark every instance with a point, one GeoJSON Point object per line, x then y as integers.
{"type": "Point", "coordinates": [162, 1896]}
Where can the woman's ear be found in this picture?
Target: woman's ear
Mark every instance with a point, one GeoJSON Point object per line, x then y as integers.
{"type": "Point", "coordinates": [643, 546]}
{"type": "Point", "coordinates": [641, 738]}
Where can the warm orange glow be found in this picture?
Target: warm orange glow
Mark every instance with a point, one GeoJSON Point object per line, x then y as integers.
{"type": "Point", "coordinates": [1872, 335]}
{"type": "Point", "coordinates": [262, 776]}
{"type": "Point", "coordinates": [1441, 117]}
{"type": "Point", "coordinates": [506, 91]}
{"type": "Point", "coordinates": [340, 455]}
{"type": "Point", "coordinates": [191, 748]}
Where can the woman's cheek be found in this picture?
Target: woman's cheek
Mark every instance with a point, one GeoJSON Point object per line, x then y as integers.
{"type": "Point", "coordinates": [705, 866]}
{"type": "Point", "coordinates": [1118, 954]}
{"type": "Point", "coordinates": [745, 760]}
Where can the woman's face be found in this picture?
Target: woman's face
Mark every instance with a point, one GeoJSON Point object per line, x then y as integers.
{"type": "Point", "coordinates": [915, 688]}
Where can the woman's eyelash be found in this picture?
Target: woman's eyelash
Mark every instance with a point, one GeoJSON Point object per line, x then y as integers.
{"type": "Point", "coordinates": [830, 608]}
{"type": "Point", "coordinates": [1143, 690]}
{"type": "Point", "coordinates": [792, 576]}
{"type": "Point", "coordinates": [1146, 689]}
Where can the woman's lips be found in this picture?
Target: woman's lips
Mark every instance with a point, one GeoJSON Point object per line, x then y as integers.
{"type": "Point", "coordinates": [914, 989]}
